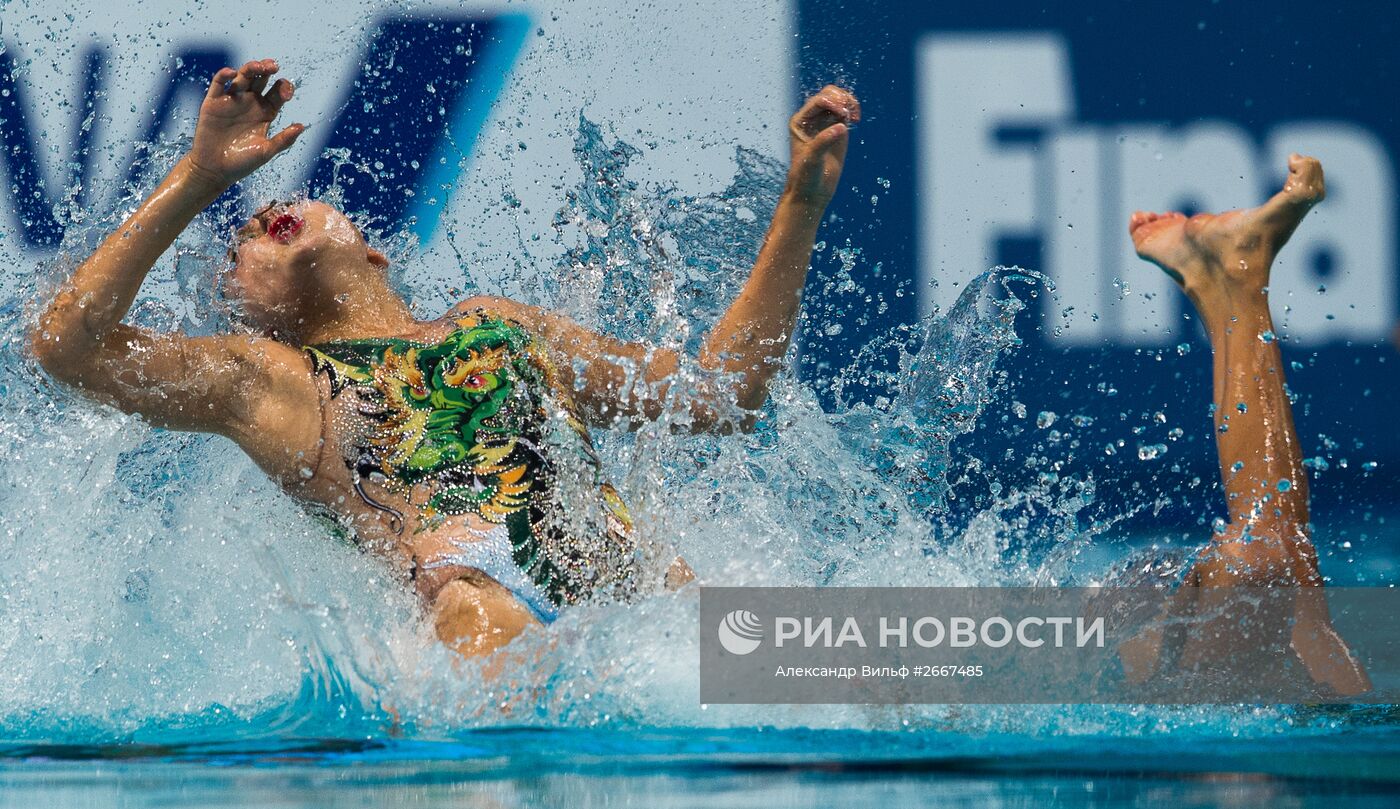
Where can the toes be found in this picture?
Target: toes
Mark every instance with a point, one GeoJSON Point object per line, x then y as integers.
{"type": "Point", "coordinates": [1139, 219]}
{"type": "Point", "coordinates": [1299, 162]}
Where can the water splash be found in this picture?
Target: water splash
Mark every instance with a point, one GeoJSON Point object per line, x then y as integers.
{"type": "Point", "coordinates": [157, 587]}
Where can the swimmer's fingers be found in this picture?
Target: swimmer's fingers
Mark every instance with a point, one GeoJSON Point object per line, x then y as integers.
{"type": "Point", "coordinates": [242, 80]}
{"type": "Point", "coordinates": [283, 140]}
{"type": "Point", "coordinates": [1305, 182]}
{"type": "Point", "coordinates": [280, 94]}
{"type": "Point", "coordinates": [252, 77]}
{"type": "Point", "coordinates": [1326, 655]}
{"type": "Point", "coordinates": [260, 79]}
{"type": "Point", "coordinates": [846, 102]}
{"type": "Point", "coordinates": [217, 85]}
{"type": "Point", "coordinates": [831, 106]}
{"type": "Point", "coordinates": [832, 136]}
{"type": "Point", "coordinates": [1305, 187]}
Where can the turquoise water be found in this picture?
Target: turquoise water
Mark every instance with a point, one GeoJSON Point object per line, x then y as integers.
{"type": "Point", "coordinates": [175, 632]}
{"type": "Point", "coordinates": [697, 767]}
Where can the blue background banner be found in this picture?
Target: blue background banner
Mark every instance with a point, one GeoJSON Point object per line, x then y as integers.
{"type": "Point", "coordinates": [1013, 133]}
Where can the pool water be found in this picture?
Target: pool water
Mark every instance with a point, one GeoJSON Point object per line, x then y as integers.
{"type": "Point", "coordinates": [1358, 763]}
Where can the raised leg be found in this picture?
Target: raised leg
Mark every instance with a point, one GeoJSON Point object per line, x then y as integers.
{"type": "Point", "coordinates": [1222, 263]}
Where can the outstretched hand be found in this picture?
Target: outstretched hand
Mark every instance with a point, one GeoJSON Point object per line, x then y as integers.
{"type": "Point", "coordinates": [231, 138]}
{"type": "Point", "coordinates": [819, 133]}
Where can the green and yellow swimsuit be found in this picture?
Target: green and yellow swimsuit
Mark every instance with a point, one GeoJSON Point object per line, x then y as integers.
{"type": "Point", "coordinates": [468, 418]}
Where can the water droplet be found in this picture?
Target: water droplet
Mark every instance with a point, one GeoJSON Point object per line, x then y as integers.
{"type": "Point", "coordinates": [1285, 485]}
{"type": "Point", "coordinates": [1266, 336]}
{"type": "Point", "coordinates": [1045, 419]}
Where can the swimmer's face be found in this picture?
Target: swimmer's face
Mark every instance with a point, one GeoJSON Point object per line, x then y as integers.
{"type": "Point", "coordinates": [283, 254]}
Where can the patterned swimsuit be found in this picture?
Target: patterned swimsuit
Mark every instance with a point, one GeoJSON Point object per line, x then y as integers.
{"type": "Point", "coordinates": [473, 424]}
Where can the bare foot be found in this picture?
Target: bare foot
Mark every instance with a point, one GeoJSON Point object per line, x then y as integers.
{"type": "Point", "coordinates": [1214, 255]}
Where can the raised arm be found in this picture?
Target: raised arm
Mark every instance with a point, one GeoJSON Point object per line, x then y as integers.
{"type": "Point", "coordinates": [615, 380]}
{"type": "Point", "coordinates": [752, 337]}
{"type": "Point", "coordinates": [172, 380]}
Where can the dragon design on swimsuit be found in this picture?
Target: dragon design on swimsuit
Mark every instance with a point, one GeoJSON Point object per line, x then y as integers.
{"type": "Point", "coordinates": [463, 416]}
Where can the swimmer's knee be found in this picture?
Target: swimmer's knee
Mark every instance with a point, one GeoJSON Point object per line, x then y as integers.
{"type": "Point", "coordinates": [475, 615]}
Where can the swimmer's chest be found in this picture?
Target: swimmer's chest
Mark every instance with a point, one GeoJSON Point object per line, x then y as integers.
{"type": "Point", "coordinates": [473, 424]}
{"type": "Point", "coordinates": [458, 418]}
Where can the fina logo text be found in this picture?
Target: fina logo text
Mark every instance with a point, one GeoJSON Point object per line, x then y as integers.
{"type": "Point", "coordinates": [1003, 153]}
{"type": "Point", "coordinates": [741, 632]}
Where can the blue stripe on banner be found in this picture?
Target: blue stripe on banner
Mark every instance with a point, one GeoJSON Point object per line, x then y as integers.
{"type": "Point", "coordinates": [454, 153]}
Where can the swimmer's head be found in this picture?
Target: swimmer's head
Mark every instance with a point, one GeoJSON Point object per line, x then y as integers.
{"type": "Point", "coordinates": [289, 259]}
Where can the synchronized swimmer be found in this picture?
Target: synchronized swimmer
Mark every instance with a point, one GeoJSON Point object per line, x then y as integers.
{"type": "Point", "coordinates": [433, 442]}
